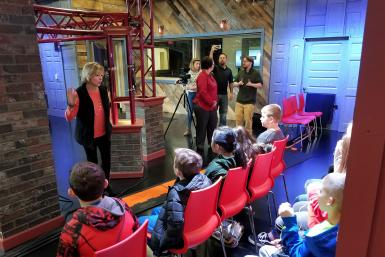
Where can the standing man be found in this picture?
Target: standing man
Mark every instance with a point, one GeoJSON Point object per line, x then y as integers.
{"type": "Point", "coordinates": [248, 80]}
{"type": "Point", "coordinates": [224, 78]}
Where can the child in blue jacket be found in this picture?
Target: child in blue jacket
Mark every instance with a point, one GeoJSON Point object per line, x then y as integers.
{"type": "Point", "coordinates": [320, 240]}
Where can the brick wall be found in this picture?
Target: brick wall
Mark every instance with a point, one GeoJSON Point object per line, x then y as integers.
{"type": "Point", "coordinates": [28, 193]}
{"type": "Point", "coordinates": [126, 152]}
{"type": "Point", "coordinates": [152, 132]}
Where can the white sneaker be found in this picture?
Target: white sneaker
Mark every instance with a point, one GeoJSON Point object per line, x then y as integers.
{"type": "Point", "coordinates": [262, 239]}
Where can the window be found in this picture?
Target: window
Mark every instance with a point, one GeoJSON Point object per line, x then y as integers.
{"type": "Point", "coordinates": [174, 54]}
{"type": "Point", "coordinates": [97, 52]}
{"type": "Point", "coordinates": [172, 57]}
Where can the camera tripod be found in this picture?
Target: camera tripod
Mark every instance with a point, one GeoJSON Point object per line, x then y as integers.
{"type": "Point", "coordinates": [186, 103]}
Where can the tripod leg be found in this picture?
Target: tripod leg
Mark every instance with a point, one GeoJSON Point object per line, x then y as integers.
{"type": "Point", "coordinates": [190, 108]}
{"type": "Point", "coordinates": [172, 117]}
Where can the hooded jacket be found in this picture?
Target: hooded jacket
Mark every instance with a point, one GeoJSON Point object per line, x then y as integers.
{"type": "Point", "coordinates": [219, 167]}
{"type": "Point", "coordinates": [321, 245]}
{"type": "Point", "coordinates": [168, 231]}
{"type": "Point", "coordinates": [95, 227]}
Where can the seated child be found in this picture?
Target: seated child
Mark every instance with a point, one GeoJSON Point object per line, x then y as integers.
{"type": "Point", "coordinates": [321, 239]}
{"type": "Point", "coordinates": [306, 209]}
{"type": "Point", "coordinates": [101, 221]}
{"type": "Point", "coordinates": [167, 221]}
{"type": "Point", "coordinates": [270, 118]}
{"type": "Point", "coordinates": [245, 140]}
{"type": "Point", "coordinates": [229, 153]}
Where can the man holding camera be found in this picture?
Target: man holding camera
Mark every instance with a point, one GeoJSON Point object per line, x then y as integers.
{"type": "Point", "coordinates": [224, 78]}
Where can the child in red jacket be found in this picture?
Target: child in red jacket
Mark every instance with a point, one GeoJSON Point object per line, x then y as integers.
{"type": "Point", "coordinates": [101, 221]}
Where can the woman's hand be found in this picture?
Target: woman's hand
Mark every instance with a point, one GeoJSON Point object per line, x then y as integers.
{"type": "Point", "coordinates": [72, 97]}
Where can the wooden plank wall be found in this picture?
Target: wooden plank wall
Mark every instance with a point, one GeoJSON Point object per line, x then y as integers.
{"type": "Point", "coordinates": [204, 16]}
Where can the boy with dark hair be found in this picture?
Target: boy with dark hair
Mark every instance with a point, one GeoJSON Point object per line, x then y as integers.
{"type": "Point", "coordinates": [166, 222]}
{"type": "Point", "coordinates": [101, 221]}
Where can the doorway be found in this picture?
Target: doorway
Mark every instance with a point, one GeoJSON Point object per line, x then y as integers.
{"type": "Point", "coordinates": [326, 70]}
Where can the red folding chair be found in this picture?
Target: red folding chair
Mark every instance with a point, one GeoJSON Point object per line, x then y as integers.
{"type": "Point", "coordinates": [133, 246]}
{"type": "Point", "coordinates": [259, 185]}
{"type": "Point", "coordinates": [278, 164]}
{"type": "Point", "coordinates": [301, 110]}
{"type": "Point", "coordinates": [290, 117]}
{"type": "Point", "coordinates": [200, 217]}
{"type": "Point", "coordinates": [233, 196]}
{"type": "Point", "coordinates": [294, 103]}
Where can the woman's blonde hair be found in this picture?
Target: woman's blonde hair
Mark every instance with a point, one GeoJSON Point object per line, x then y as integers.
{"type": "Point", "coordinates": [193, 62]}
{"type": "Point", "coordinates": [345, 145]}
{"type": "Point", "coordinates": [90, 69]}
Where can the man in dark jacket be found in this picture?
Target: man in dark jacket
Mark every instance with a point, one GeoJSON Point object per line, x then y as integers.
{"type": "Point", "coordinates": [100, 222]}
{"type": "Point", "coordinates": [168, 229]}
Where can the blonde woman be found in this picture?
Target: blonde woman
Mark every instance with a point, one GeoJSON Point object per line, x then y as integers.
{"type": "Point", "coordinates": [90, 104]}
{"type": "Point", "coordinates": [341, 150]}
{"type": "Point", "coordinates": [191, 88]}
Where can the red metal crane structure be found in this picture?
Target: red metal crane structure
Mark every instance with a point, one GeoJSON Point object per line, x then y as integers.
{"type": "Point", "coordinates": [55, 25]}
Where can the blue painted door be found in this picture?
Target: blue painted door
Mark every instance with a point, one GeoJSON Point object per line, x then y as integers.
{"type": "Point", "coordinates": [60, 72]}
{"type": "Point", "coordinates": [325, 70]}
{"type": "Point", "coordinates": [53, 77]}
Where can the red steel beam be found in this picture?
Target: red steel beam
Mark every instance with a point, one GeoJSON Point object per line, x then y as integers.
{"type": "Point", "coordinates": [61, 25]}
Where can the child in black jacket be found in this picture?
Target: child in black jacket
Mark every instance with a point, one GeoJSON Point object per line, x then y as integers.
{"type": "Point", "coordinates": [167, 224]}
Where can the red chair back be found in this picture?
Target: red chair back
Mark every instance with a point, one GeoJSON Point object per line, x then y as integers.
{"type": "Point", "coordinates": [234, 195]}
{"type": "Point", "coordinates": [287, 110]}
{"type": "Point", "coordinates": [200, 217]}
{"type": "Point", "coordinates": [260, 181]}
{"type": "Point", "coordinates": [134, 245]}
{"type": "Point", "coordinates": [278, 165]}
{"type": "Point", "coordinates": [293, 104]}
{"type": "Point", "coordinates": [301, 99]}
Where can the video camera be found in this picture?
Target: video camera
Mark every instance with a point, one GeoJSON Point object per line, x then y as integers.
{"type": "Point", "coordinates": [184, 76]}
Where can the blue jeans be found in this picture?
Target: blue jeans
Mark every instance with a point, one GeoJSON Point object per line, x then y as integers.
{"type": "Point", "coordinates": [223, 103]}
{"type": "Point", "coordinates": [190, 98]}
{"type": "Point", "coordinates": [152, 218]}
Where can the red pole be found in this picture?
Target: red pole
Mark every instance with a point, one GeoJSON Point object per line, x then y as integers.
{"type": "Point", "coordinates": [141, 47]}
{"type": "Point", "coordinates": [152, 47]}
{"type": "Point", "coordinates": [131, 74]}
{"type": "Point", "coordinates": [60, 39]}
{"type": "Point", "coordinates": [111, 66]}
